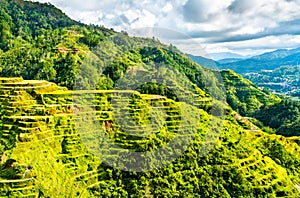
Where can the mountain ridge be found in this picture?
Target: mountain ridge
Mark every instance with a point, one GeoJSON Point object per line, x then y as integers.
{"type": "Point", "coordinates": [265, 70]}
{"type": "Point", "coordinates": [266, 61]}
{"type": "Point", "coordinates": [225, 55]}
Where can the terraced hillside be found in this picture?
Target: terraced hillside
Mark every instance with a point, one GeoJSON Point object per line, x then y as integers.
{"type": "Point", "coordinates": [51, 147]}
{"type": "Point", "coordinates": [244, 96]}
{"type": "Point", "coordinates": [40, 127]}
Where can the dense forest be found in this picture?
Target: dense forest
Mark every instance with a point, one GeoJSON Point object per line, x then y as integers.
{"type": "Point", "coordinates": [251, 156]}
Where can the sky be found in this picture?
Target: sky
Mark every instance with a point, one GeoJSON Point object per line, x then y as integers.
{"type": "Point", "coordinates": [198, 27]}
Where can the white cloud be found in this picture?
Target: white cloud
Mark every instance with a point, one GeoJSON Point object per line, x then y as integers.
{"type": "Point", "coordinates": [199, 11]}
{"type": "Point", "coordinates": [167, 8]}
{"type": "Point", "coordinates": [246, 48]}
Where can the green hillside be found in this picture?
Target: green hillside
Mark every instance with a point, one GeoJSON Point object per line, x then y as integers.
{"type": "Point", "coordinates": [89, 112]}
{"type": "Point", "coordinates": [244, 96]}
{"type": "Point", "coordinates": [38, 129]}
{"type": "Point", "coordinates": [271, 111]}
{"type": "Point", "coordinates": [44, 130]}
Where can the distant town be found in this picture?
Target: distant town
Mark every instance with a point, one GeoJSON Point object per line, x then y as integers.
{"type": "Point", "coordinates": [284, 80]}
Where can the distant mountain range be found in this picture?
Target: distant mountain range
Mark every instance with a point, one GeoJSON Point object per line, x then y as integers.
{"type": "Point", "coordinates": [277, 70]}
{"type": "Point", "coordinates": [266, 61]}
{"type": "Point", "coordinates": [226, 55]}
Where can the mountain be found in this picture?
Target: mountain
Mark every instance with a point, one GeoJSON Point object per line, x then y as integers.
{"type": "Point", "coordinates": [226, 55]}
{"type": "Point", "coordinates": [277, 54]}
{"type": "Point", "coordinates": [210, 63]}
{"type": "Point", "coordinates": [89, 112]}
{"type": "Point", "coordinates": [266, 61]}
{"type": "Point", "coordinates": [275, 70]}
{"type": "Point", "coordinates": [229, 60]}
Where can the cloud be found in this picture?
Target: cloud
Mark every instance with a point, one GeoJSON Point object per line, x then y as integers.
{"type": "Point", "coordinates": [282, 28]}
{"type": "Point", "coordinates": [200, 11]}
{"type": "Point", "coordinates": [246, 47]}
{"type": "Point", "coordinates": [240, 6]}
{"type": "Point", "coordinates": [193, 11]}
{"type": "Point", "coordinates": [219, 24]}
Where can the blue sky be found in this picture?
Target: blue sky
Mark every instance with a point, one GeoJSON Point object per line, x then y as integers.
{"type": "Point", "coordinates": [246, 27]}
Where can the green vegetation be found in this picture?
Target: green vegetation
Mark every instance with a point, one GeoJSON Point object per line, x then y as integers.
{"type": "Point", "coordinates": [280, 114]}
{"type": "Point", "coordinates": [244, 96]}
{"type": "Point", "coordinates": [39, 42]}
{"type": "Point", "coordinates": [39, 128]}
{"type": "Point", "coordinates": [51, 147]}
{"type": "Point", "coordinates": [283, 116]}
